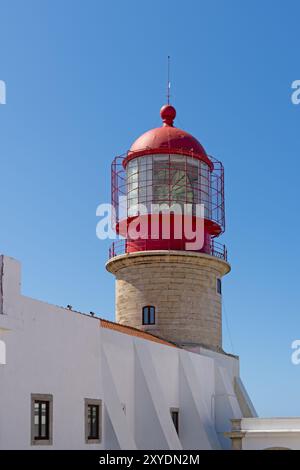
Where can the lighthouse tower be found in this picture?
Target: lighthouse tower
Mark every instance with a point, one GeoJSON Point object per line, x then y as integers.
{"type": "Point", "coordinates": [168, 198]}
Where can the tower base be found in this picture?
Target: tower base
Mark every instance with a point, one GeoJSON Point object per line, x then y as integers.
{"type": "Point", "coordinates": [182, 286]}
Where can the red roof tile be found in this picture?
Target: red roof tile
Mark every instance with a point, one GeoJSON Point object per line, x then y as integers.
{"type": "Point", "coordinates": [129, 330]}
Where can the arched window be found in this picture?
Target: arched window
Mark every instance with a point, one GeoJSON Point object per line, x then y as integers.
{"type": "Point", "coordinates": [148, 315]}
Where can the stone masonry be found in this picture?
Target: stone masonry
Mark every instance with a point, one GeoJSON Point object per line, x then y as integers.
{"type": "Point", "coordinates": [183, 288]}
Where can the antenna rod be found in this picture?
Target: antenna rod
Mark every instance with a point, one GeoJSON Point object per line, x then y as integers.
{"type": "Point", "coordinates": [168, 84]}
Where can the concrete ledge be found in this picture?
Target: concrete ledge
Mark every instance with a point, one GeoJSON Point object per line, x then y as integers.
{"type": "Point", "coordinates": [172, 256]}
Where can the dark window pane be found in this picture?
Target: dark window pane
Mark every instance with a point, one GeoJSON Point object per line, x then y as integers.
{"type": "Point", "coordinates": [93, 421]}
{"type": "Point", "coordinates": [41, 420]}
{"type": "Point", "coordinates": [36, 420]}
{"type": "Point", "coordinates": [175, 419]}
{"type": "Point", "coordinates": [152, 316]}
{"type": "Point", "coordinates": [145, 316]}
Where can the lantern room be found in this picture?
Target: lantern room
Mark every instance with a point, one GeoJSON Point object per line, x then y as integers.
{"type": "Point", "coordinates": [166, 176]}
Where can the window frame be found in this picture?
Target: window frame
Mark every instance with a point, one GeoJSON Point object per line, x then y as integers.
{"type": "Point", "coordinates": [90, 402]}
{"type": "Point", "coordinates": [42, 398]}
{"type": "Point", "coordinates": [149, 322]}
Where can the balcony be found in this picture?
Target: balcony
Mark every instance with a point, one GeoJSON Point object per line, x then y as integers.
{"type": "Point", "coordinates": [122, 247]}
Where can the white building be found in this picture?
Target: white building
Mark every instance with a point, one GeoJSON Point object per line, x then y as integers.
{"type": "Point", "coordinates": [69, 359]}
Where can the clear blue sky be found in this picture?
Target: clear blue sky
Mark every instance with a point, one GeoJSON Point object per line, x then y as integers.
{"type": "Point", "coordinates": [84, 79]}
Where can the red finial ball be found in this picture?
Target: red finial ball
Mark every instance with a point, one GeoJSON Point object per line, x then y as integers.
{"type": "Point", "coordinates": [168, 114]}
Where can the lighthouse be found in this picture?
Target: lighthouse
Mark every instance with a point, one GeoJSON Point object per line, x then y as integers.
{"type": "Point", "coordinates": [168, 199]}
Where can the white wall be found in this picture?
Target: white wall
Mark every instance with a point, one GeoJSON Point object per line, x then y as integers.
{"type": "Point", "coordinates": [52, 350]}
{"type": "Point", "coordinates": [266, 433]}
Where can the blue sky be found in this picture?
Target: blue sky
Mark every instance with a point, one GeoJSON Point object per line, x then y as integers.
{"type": "Point", "coordinates": [84, 79]}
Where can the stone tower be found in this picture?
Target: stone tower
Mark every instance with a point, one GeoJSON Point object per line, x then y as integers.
{"type": "Point", "coordinates": [168, 196]}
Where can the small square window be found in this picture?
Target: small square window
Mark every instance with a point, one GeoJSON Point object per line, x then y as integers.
{"type": "Point", "coordinates": [149, 315]}
{"type": "Point", "coordinates": [219, 286]}
{"type": "Point", "coordinates": [41, 419]}
{"type": "Point", "coordinates": [92, 421]}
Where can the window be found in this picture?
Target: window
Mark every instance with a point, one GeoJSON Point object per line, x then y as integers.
{"type": "Point", "coordinates": [175, 418]}
{"type": "Point", "coordinates": [92, 421]}
{"type": "Point", "coordinates": [41, 419]}
{"type": "Point", "coordinates": [132, 186]}
{"type": "Point", "coordinates": [219, 286]}
{"type": "Point", "coordinates": [149, 315]}
{"type": "Point", "coordinates": [2, 352]}
{"type": "Point", "coordinates": [169, 179]}
{"type": "Point", "coordinates": [172, 179]}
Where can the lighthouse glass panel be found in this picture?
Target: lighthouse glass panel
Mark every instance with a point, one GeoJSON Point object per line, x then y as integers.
{"type": "Point", "coordinates": [132, 186]}
{"type": "Point", "coordinates": [167, 179]}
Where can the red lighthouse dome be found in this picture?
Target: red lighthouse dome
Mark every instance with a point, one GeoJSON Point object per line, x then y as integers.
{"type": "Point", "coordinates": [167, 166]}
{"type": "Point", "coordinates": [168, 139]}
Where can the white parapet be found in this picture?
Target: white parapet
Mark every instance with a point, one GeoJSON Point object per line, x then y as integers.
{"type": "Point", "coordinates": [265, 433]}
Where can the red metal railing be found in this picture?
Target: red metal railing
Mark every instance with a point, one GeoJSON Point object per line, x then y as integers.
{"type": "Point", "coordinates": [120, 247]}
